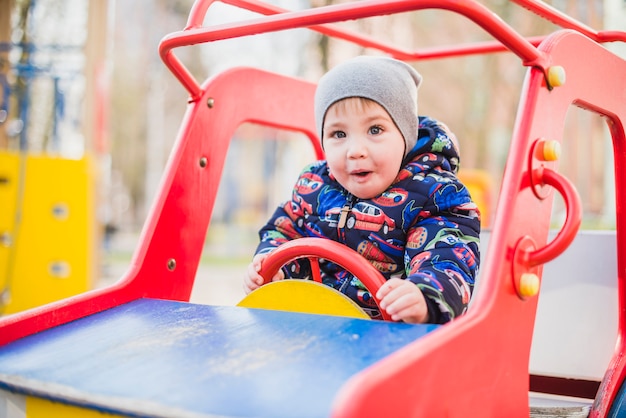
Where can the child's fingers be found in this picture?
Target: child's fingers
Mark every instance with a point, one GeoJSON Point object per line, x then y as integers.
{"type": "Point", "coordinates": [252, 272]}
{"type": "Point", "coordinates": [405, 303]}
{"type": "Point", "coordinates": [257, 261]}
{"type": "Point", "coordinates": [405, 312]}
{"type": "Point", "coordinates": [249, 284]}
{"type": "Point", "coordinates": [400, 302]}
{"type": "Point", "coordinates": [397, 295]}
{"type": "Point", "coordinates": [258, 280]}
{"type": "Point", "coordinates": [280, 275]}
{"type": "Point", "coordinates": [252, 279]}
{"type": "Point", "coordinates": [387, 287]}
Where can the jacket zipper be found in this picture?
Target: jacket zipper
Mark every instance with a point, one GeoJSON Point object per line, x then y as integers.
{"type": "Point", "coordinates": [341, 225]}
{"type": "Point", "coordinates": [345, 211]}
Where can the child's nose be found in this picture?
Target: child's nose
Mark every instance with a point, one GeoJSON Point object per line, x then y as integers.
{"type": "Point", "coordinates": [356, 148]}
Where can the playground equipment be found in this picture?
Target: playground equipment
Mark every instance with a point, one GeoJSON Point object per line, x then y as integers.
{"type": "Point", "coordinates": [138, 348]}
{"type": "Point", "coordinates": [47, 227]}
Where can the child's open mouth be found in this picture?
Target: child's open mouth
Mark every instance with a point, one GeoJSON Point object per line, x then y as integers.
{"type": "Point", "coordinates": [361, 175]}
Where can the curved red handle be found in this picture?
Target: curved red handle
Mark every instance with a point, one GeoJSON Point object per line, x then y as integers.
{"type": "Point", "coordinates": [572, 221]}
{"type": "Point", "coordinates": [330, 250]}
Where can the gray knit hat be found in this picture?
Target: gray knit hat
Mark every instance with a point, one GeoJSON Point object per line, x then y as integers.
{"type": "Point", "coordinates": [390, 83]}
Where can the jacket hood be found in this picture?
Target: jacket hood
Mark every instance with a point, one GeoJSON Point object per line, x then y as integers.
{"type": "Point", "coordinates": [436, 138]}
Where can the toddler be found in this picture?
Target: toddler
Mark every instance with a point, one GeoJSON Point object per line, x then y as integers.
{"type": "Point", "coordinates": [387, 189]}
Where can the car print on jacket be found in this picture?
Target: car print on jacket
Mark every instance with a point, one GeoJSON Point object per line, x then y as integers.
{"type": "Point", "coordinates": [376, 257]}
{"type": "Point", "coordinates": [390, 246]}
{"type": "Point", "coordinates": [308, 183]}
{"type": "Point", "coordinates": [367, 217]}
{"type": "Point", "coordinates": [298, 209]}
{"type": "Point", "coordinates": [392, 197]}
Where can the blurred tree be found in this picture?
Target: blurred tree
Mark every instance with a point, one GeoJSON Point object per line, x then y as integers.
{"type": "Point", "coordinates": [147, 102]}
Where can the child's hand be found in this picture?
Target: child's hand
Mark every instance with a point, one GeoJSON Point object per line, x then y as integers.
{"type": "Point", "coordinates": [403, 301]}
{"type": "Point", "coordinates": [253, 279]}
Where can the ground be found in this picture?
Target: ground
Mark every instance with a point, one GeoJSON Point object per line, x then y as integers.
{"type": "Point", "coordinates": [219, 280]}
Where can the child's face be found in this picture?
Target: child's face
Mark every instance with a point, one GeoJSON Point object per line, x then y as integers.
{"type": "Point", "coordinates": [363, 146]}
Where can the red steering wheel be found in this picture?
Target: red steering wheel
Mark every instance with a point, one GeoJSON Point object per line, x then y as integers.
{"type": "Point", "coordinates": [316, 248]}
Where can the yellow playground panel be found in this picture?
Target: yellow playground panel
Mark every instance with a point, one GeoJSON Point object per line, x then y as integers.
{"type": "Point", "coordinates": [480, 186]}
{"type": "Point", "coordinates": [303, 296]}
{"type": "Point", "coordinates": [21, 406]}
{"type": "Point", "coordinates": [47, 229]}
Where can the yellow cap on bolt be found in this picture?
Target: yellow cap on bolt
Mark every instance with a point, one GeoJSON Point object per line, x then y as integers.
{"type": "Point", "coordinates": [556, 76]}
{"type": "Point", "coordinates": [551, 150]}
{"type": "Point", "coordinates": [528, 285]}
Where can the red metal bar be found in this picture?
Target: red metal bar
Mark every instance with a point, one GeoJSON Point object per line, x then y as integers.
{"type": "Point", "coordinates": [315, 18]}
{"type": "Point", "coordinates": [182, 73]}
{"type": "Point", "coordinates": [557, 17]}
{"type": "Point", "coordinates": [564, 21]}
{"type": "Point", "coordinates": [315, 269]}
{"type": "Point", "coordinates": [318, 20]}
{"type": "Point", "coordinates": [197, 13]}
{"type": "Point", "coordinates": [615, 375]}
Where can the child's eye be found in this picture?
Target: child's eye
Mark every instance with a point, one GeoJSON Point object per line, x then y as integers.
{"type": "Point", "coordinates": [375, 130]}
{"type": "Point", "coordinates": [338, 134]}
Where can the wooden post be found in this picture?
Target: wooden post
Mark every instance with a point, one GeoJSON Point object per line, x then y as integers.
{"type": "Point", "coordinates": [94, 116]}
{"type": "Point", "coordinates": [95, 112]}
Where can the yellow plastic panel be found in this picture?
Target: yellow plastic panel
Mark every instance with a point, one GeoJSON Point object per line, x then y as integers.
{"type": "Point", "coordinates": [52, 253]}
{"type": "Point", "coordinates": [9, 169]}
{"type": "Point", "coordinates": [43, 408]}
{"type": "Point", "coordinates": [480, 187]}
{"type": "Point", "coordinates": [303, 296]}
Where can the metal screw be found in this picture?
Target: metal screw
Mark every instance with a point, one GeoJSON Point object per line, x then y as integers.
{"type": "Point", "coordinates": [203, 162]}
{"type": "Point", "coordinates": [60, 211]}
{"type": "Point", "coordinates": [171, 264]}
{"type": "Point", "coordinates": [59, 269]}
{"type": "Point", "coordinates": [5, 239]}
{"type": "Point", "coordinates": [210, 102]}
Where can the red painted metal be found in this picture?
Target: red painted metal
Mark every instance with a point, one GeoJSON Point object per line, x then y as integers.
{"type": "Point", "coordinates": [526, 256]}
{"type": "Point", "coordinates": [170, 246]}
{"type": "Point", "coordinates": [318, 19]}
{"type": "Point", "coordinates": [498, 329]}
{"type": "Point", "coordinates": [572, 221]}
{"type": "Point", "coordinates": [433, 376]}
{"type": "Point", "coordinates": [331, 251]}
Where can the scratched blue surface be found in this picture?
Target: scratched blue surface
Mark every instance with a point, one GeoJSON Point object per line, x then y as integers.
{"type": "Point", "coordinates": [208, 360]}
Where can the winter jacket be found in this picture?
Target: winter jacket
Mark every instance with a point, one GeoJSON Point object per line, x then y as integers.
{"type": "Point", "coordinates": [423, 228]}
